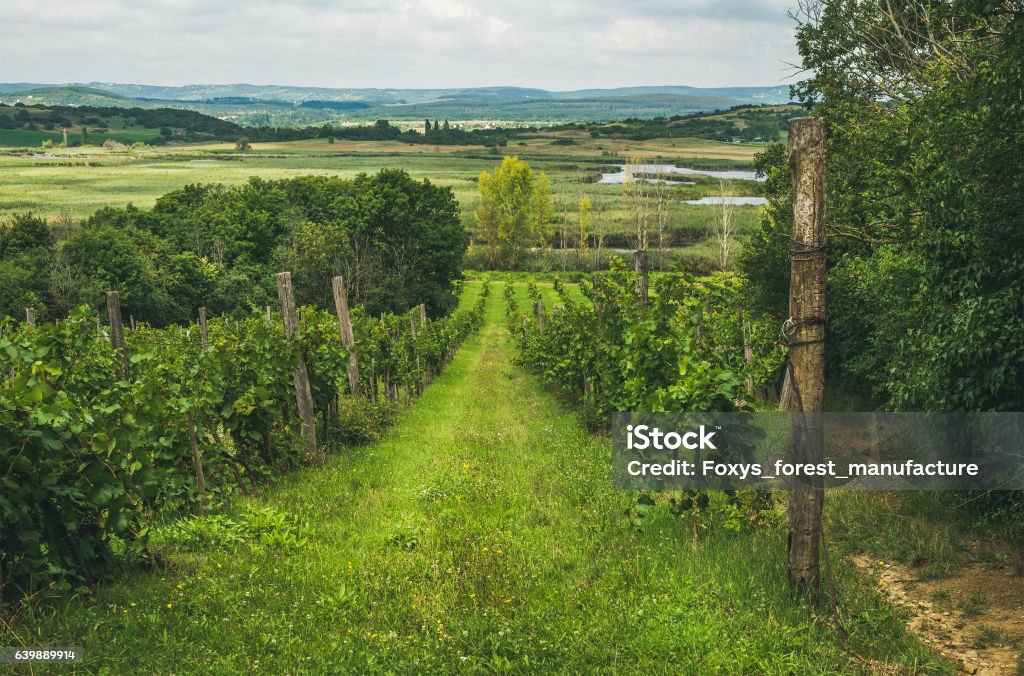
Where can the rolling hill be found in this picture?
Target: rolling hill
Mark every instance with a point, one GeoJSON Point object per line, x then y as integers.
{"type": "Point", "coordinates": [274, 105]}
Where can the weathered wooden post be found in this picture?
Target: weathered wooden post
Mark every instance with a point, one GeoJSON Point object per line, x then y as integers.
{"type": "Point", "coordinates": [640, 266]}
{"type": "Point", "coordinates": [116, 328]}
{"type": "Point", "coordinates": [203, 336]}
{"type": "Point", "coordinates": [30, 316]}
{"type": "Point", "coordinates": [425, 376]}
{"type": "Point", "coordinates": [540, 315]}
{"type": "Point", "coordinates": [419, 380]}
{"type": "Point", "coordinates": [805, 329]}
{"type": "Point", "coordinates": [131, 322]}
{"type": "Point", "coordinates": [197, 458]}
{"type": "Point", "coordinates": [114, 316]}
{"type": "Point", "coordinates": [748, 351]}
{"type": "Point", "coordinates": [348, 338]}
{"type": "Point", "coordinates": [303, 395]}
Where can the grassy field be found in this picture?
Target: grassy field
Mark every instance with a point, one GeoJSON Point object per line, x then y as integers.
{"type": "Point", "coordinates": [481, 535]}
{"type": "Point", "coordinates": [73, 183]}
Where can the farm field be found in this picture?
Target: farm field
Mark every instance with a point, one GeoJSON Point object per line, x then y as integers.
{"type": "Point", "coordinates": [480, 535]}
{"type": "Point", "coordinates": [73, 183]}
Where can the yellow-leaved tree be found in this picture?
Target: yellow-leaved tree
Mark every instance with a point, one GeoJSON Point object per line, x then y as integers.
{"type": "Point", "coordinates": [514, 213]}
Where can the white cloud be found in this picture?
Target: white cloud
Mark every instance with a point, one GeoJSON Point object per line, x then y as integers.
{"type": "Point", "coordinates": [555, 44]}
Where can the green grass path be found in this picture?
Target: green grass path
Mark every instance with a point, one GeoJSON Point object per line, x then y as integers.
{"type": "Point", "coordinates": [481, 534]}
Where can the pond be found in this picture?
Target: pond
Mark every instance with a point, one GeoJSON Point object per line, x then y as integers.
{"type": "Point", "coordinates": [661, 169]}
{"type": "Point", "coordinates": [728, 200]}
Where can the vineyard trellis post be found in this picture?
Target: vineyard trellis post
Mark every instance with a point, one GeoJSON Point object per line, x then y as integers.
{"type": "Point", "coordinates": [303, 394]}
{"type": "Point", "coordinates": [540, 315]}
{"type": "Point", "coordinates": [347, 336]}
{"type": "Point", "coordinates": [117, 329]}
{"type": "Point", "coordinates": [30, 316]}
{"type": "Point", "coordinates": [805, 330]}
{"type": "Point", "coordinates": [193, 440]}
{"type": "Point", "coordinates": [204, 336]}
{"type": "Point", "coordinates": [640, 266]}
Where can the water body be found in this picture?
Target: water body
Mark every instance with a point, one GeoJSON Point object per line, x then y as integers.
{"type": "Point", "coordinates": [727, 200]}
{"type": "Point", "coordinates": [620, 175]}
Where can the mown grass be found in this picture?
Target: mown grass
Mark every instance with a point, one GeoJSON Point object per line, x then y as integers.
{"type": "Point", "coordinates": [481, 535]}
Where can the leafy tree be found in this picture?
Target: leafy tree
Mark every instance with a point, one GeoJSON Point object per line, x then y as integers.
{"type": "Point", "coordinates": [514, 211]}
{"type": "Point", "coordinates": [926, 195]}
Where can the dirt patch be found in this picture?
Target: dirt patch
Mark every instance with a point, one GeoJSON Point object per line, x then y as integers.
{"type": "Point", "coordinates": [975, 618]}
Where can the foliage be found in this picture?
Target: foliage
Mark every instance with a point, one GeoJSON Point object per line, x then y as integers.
{"type": "Point", "coordinates": [515, 211]}
{"type": "Point", "coordinates": [93, 442]}
{"type": "Point", "coordinates": [925, 174]}
{"type": "Point", "coordinates": [396, 241]}
{"type": "Point", "coordinates": [681, 351]}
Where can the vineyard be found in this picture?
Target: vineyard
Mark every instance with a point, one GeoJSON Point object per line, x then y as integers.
{"type": "Point", "coordinates": [479, 533]}
{"type": "Point", "coordinates": [683, 346]}
{"type": "Point", "coordinates": [100, 435]}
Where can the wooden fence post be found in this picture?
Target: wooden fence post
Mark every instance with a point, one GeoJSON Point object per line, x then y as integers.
{"type": "Point", "coordinates": [204, 337]}
{"type": "Point", "coordinates": [116, 328]}
{"type": "Point", "coordinates": [303, 395]}
{"type": "Point", "coordinates": [30, 316]}
{"type": "Point", "coordinates": [748, 351]}
{"type": "Point", "coordinates": [640, 266]}
{"type": "Point", "coordinates": [540, 315]}
{"type": "Point", "coordinates": [423, 314]}
{"type": "Point", "coordinates": [805, 329]}
{"type": "Point", "coordinates": [347, 336]}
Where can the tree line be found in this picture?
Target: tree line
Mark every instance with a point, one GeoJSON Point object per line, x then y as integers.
{"type": "Point", "coordinates": [397, 242]}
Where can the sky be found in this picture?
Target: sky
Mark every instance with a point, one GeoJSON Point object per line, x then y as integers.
{"type": "Point", "coordinates": [550, 44]}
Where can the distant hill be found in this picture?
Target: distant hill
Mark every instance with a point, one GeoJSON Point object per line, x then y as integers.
{"type": "Point", "coordinates": [291, 106]}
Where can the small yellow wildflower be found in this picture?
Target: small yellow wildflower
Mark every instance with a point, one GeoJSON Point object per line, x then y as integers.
{"type": "Point", "coordinates": [132, 604]}
{"type": "Point", "coordinates": [881, 563]}
{"type": "Point", "coordinates": [508, 600]}
{"type": "Point", "coordinates": [219, 566]}
{"type": "Point", "coordinates": [170, 605]}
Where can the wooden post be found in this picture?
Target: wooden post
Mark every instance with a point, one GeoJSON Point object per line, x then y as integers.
{"type": "Point", "coordinates": [303, 395]}
{"type": "Point", "coordinates": [270, 317]}
{"type": "Point", "coordinates": [131, 322]}
{"type": "Point", "coordinates": [748, 351]}
{"type": "Point", "coordinates": [197, 459]}
{"type": "Point", "coordinates": [203, 336]}
{"type": "Point", "coordinates": [114, 315]}
{"type": "Point", "coordinates": [640, 265]}
{"type": "Point", "coordinates": [30, 316]}
{"type": "Point", "coordinates": [805, 329]}
{"type": "Point", "coordinates": [117, 328]}
{"type": "Point", "coordinates": [540, 315]}
{"type": "Point", "coordinates": [423, 314]}
{"type": "Point", "coordinates": [412, 323]}
{"type": "Point", "coordinates": [347, 336]}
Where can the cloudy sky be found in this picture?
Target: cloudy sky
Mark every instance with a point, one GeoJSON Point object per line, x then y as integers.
{"type": "Point", "coordinates": [553, 44]}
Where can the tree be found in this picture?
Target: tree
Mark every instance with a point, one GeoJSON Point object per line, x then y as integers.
{"type": "Point", "coordinates": [724, 225]}
{"type": "Point", "coordinates": [926, 187]}
{"type": "Point", "coordinates": [242, 144]}
{"type": "Point", "coordinates": [514, 211]}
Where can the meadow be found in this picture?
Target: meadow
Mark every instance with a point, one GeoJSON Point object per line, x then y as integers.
{"type": "Point", "coordinates": [70, 184]}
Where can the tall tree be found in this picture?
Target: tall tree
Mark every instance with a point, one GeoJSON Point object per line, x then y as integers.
{"type": "Point", "coordinates": [514, 211]}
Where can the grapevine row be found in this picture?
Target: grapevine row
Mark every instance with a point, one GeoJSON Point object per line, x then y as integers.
{"type": "Point", "coordinates": [95, 441]}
